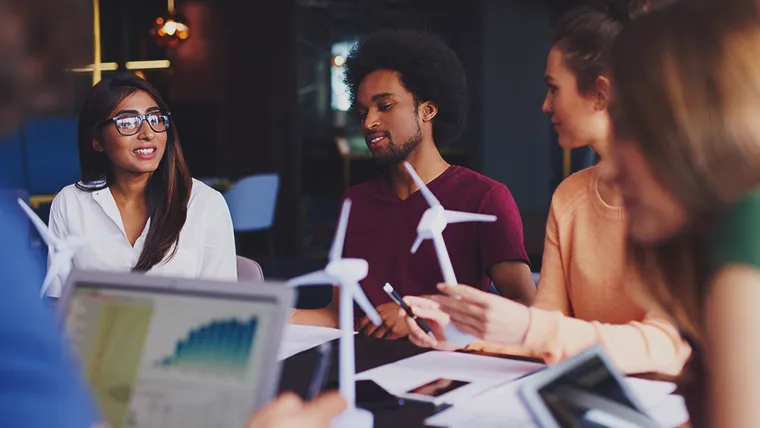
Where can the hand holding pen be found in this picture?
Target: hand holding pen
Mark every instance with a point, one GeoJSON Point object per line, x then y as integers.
{"type": "Point", "coordinates": [400, 302]}
{"type": "Point", "coordinates": [430, 313]}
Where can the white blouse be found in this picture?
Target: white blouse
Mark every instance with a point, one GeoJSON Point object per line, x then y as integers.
{"type": "Point", "coordinates": [206, 243]}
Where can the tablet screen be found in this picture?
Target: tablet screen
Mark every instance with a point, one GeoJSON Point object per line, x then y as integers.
{"type": "Point", "coordinates": [589, 395]}
{"type": "Point", "coordinates": [154, 358]}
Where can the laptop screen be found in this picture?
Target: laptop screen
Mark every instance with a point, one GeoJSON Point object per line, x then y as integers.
{"type": "Point", "coordinates": [155, 358]}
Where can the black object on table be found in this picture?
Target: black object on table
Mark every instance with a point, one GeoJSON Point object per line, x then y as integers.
{"type": "Point", "coordinates": [370, 353]}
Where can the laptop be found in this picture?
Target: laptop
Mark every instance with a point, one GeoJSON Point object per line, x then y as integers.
{"type": "Point", "coordinates": [168, 352]}
{"type": "Point", "coordinates": [585, 391]}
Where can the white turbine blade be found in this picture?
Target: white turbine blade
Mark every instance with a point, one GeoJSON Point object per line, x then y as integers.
{"type": "Point", "coordinates": [38, 223]}
{"type": "Point", "coordinates": [315, 278]}
{"type": "Point", "coordinates": [416, 245]}
{"type": "Point", "coordinates": [447, 269]}
{"type": "Point", "coordinates": [57, 264]}
{"type": "Point", "coordinates": [426, 193]}
{"type": "Point", "coordinates": [336, 251]}
{"type": "Point", "coordinates": [462, 217]}
{"type": "Point", "coordinates": [361, 299]}
{"type": "Point", "coordinates": [46, 284]}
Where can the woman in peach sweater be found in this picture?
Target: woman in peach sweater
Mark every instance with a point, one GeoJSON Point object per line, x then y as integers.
{"type": "Point", "coordinates": [584, 289]}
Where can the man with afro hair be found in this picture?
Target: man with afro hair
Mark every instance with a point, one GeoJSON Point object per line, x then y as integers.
{"type": "Point", "coordinates": [410, 93]}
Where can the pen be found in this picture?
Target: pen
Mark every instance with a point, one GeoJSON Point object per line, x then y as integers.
{"type": "Point", "coordinates": [399, 301]}
{"type": "Point", "coordinates": [320, 370]}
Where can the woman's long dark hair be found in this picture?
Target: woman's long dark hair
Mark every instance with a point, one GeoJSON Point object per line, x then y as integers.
{"type": "Point", "coordinates": [168, 189]}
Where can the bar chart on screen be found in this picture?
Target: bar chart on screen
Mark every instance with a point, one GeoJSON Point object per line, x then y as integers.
{"type": "Point", "coordinates": [198, 368]}
{"type": "Point", "coordinates": [221, 347]}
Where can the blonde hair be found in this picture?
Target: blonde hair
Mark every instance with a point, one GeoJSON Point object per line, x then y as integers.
{"type": "Point", "coordinates": [688, 93]}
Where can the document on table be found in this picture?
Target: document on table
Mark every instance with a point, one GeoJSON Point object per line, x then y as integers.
{"type": "Point", "coordinates": [480, 371]}
{"type": "Point", "coordinates": [299, 338]}
{"type": "Point", "coordinates": [502, 407]}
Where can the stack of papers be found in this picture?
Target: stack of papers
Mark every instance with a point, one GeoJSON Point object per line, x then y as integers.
{"type": "Point", "coordinates": [502, 407]}
{"type": "Point", "coordinates": [299, 338]}
{"type": "Point", "coordinates": [482, 373]}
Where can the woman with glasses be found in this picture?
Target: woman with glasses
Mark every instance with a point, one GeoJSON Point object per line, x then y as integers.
{"type": "Point", "coordinates": [136, 200]}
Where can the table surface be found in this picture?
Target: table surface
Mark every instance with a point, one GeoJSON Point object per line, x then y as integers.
{"type": "Point", "coordinates": [370, 353]}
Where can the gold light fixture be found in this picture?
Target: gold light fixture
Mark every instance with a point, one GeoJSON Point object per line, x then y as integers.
{"type": "Point", "coordinates": [103, 66]}
{"type": "Point", "coordinates": [147, 65]}
{"type": "Point", "coordinates": [170, 30]}
{"type": "Point", "coordinates": [96, 70]}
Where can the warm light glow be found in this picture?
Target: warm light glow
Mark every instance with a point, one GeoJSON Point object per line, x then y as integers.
{"type": "Point", "coordinates": [140, 74]}
{"type": "Point", "coordinates": [146, 65]}
{"type": "Point", "coordinates": [338, 61]}
{"type": "Point", "coordinates": [104, 66]}
{"type": "Point", "coordinates": [170, 30]}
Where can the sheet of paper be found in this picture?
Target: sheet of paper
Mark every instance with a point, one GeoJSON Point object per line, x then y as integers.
{"type": "Point", "coordinates": [298, 338]}
{"type": "Point", "coordinates": [670, 412]}
{"type": "Point", "coordinates": [502, 406]}
{"type": "Point", "coordinates": [482, 372]}
{"type": "Point", "coordinates": [650, 392]}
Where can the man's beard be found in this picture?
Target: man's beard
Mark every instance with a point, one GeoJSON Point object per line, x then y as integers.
{"type": "Point", "coordinates": [398, 153]}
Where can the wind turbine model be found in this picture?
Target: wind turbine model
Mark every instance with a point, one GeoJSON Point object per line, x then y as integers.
{"type": "Point", "coordinates": [431, 226]}
{"type": "Point", "coordinates": [347, 273]}
{"type": "Point", "coordinates": [62, 250]}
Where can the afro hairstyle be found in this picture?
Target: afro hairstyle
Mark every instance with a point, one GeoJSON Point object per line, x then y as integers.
{"type": "Point", "coordinates": [427, 68]}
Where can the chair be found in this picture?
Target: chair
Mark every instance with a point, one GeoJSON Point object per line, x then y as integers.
{"type": "Point", "coordinates": [9, 198]}
{"type": "Point", "coordinates": [252, 201]}
{"type": "Point", "coordinates": [249, 270]}
{"type": "Point", "coordinates": [56, 137]}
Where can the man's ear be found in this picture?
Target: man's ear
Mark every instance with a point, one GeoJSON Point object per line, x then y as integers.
{"type": "Point", "coordinates": [428, 111]}
{"type": "Point", "coordinates": [97, 146]}
{"type": "Point", "coordinates": [602, 93]}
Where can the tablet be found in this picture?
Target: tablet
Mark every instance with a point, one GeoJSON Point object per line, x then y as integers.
{"type": "Point", "coordinates": [170, 352]}
{"type": "Point", "coordinates": [585, 391]}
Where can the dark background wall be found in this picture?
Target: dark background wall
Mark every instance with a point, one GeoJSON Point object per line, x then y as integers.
{"type": "Point", "coordinates": [250, 92]}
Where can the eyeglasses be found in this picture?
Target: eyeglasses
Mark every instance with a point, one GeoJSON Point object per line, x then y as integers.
{"type": "Point", "coordinates": [130, 124]}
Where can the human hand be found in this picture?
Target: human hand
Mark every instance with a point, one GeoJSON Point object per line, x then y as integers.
{"type": "Point", "coordinates": [289, 411]}
{"type": "Point", "coordinates": [486, 316]}
{"type": "Point", "coordinates": [430, 312]}
{"type": "Point", "coordinates": [393, 326]}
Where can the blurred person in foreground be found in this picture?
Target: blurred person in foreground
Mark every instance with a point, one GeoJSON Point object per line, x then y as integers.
{"type": "Point", "coordinates": [686, 156]}
{"type": "Point", "coordinates": [39, 382]}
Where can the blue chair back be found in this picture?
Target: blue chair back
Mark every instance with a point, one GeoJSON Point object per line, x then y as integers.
{"type": "Point", "coordinates": [8, 197]}
{"type": "Point", "coordinates": [252, 201]}
{"type": "Point", "coordinates": [53, 155]}
{"type": "Point", "coordinates": [12, 162]}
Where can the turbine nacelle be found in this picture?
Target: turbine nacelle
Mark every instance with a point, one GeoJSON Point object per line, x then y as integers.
{"type": "Point", "coordinates": [348, 270]}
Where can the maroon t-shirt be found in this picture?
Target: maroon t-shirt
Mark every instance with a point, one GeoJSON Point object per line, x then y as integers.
{"type": "Point", "coordinates": [382, 228]}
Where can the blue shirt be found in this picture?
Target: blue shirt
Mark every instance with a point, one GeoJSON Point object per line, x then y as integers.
{"type": "Point", "coordinates": [40, 384]}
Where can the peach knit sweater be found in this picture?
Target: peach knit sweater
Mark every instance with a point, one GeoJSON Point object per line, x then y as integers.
{"type": "Point", "coordinates": [583, 294]}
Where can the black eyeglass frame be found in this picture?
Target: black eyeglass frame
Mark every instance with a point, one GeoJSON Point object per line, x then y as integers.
{"type": "Point", "coordinates": [141, 117]}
